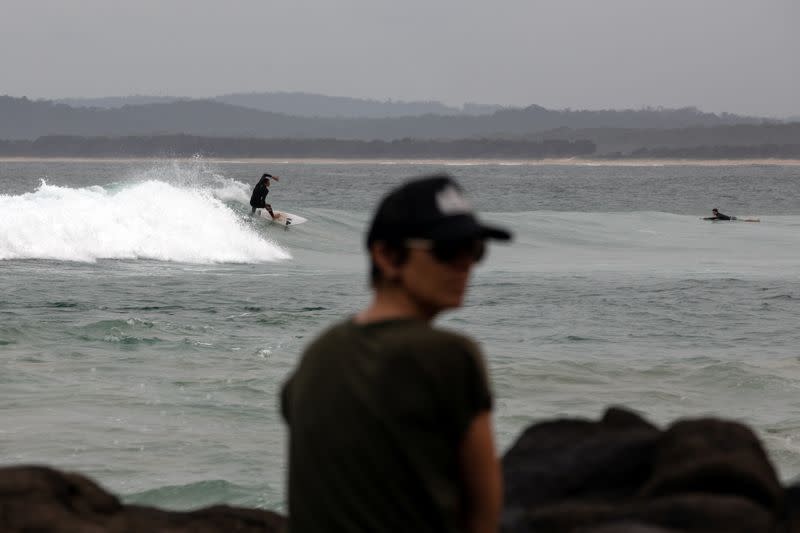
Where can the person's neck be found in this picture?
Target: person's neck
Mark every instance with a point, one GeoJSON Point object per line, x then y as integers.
{"type": "Point", "coordinates": [392, 304]}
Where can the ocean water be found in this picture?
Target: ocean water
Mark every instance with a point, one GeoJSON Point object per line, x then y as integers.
{"type": "Point", "coordinates": [147, 323]}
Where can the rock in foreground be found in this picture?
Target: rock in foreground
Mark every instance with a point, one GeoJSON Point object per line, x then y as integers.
{"type": "Point", "coordinates": [624, 475]}
{"type": "Point", "coordinates": [34, 498]}
{"type": "Point", "coordinates": [620, 474]}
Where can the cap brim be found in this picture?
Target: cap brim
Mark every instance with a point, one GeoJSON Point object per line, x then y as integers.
{"type": "Point", "coordinates": [497, 233]}
{"type": "Point", "coordinates": [457, 228]}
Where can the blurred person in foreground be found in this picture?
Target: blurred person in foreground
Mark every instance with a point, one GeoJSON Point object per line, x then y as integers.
{"type": "Point", "coordinates": [390, 418]}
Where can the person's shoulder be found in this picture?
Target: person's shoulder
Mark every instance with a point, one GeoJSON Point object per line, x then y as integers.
{"type": "Point", "coordinates": [453, 336]}
{"type": "Point", "coordinates": [457, 355]}
{"type": "Point", "coordinates": [446, 340]}
{"type": "Point", "coordinates": [440, 351]}
{"type": "Point", "coordinates": [332, 333]}
{"type": "Point", "coordinates": [413, 336]}
{"type": "Point", "coordinates": [422, 329]}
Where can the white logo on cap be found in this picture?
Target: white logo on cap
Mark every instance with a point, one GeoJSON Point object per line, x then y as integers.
{"type": "Point", "coordinates": [452, 202]}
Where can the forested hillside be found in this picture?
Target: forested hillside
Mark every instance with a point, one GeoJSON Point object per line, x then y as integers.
{"type": "Point", "coordinates": [47, 128]}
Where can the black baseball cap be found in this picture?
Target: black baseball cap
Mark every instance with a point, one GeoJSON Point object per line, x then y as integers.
{"type": "Point", "coordinates": [431, 207]}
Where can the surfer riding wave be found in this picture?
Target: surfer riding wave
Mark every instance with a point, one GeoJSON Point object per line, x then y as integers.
{"type": "Point", "coordinates": [258, 200]}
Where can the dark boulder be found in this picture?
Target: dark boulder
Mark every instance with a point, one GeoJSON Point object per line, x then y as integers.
{"type": "Point", "coordinates": [622, 474]}
{"type": "Point", "coordinates": [35, 498]}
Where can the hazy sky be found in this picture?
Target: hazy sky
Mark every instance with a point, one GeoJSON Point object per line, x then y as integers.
{"type": "Point", "coordinates": [740, 56]}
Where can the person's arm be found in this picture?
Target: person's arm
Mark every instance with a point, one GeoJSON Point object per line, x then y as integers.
{"type": "Point", "coordinates": [481, 476]}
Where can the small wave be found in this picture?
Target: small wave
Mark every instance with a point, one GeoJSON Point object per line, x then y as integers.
{"type": "Point", "coordinates": [150, 308]}
{"type": "Point", "coordinates": [63, 305]}
{"type": "Point", "coordinates": [646, 242]}
{"type": "Point", "coordinates": [273, 320]}
{"type": "Point", "coordinates": [131, 340]}
{"type": "Point", "coordinates": [119, 323]}
{"type": "Point", "coordinates": [194, 495]}
{"type": "Point", "coordinates": [124, 332]}
{"type": "Point", "coordinates": [10, 335]}
{"type": "Point", "coordinates": [562, 339]}
{"type": "Point", "coordinates": [578, 338]}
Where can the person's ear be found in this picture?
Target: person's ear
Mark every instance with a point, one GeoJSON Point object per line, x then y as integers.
{"type": "Point", "coordinates": [389, 260]}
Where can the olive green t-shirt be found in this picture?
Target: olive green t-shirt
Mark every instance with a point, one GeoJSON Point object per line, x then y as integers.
{"type": "Point", "coordinates": [376, 415]}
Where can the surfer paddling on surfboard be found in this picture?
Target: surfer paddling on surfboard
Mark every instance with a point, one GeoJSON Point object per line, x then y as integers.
{"type": "Point", "coordinates": [258, 200]}
{"type": "Point", "coordinates": [718, 216]}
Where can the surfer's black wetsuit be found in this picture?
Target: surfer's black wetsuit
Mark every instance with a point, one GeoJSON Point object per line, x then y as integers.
{"type": "Point", "coordinates": [719, 216]}
{"type": "Point", "coordinates": [259, 197]}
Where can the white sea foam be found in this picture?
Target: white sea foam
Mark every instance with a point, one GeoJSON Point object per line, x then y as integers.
{"type": "Point", "coordinates": [148, 219]}
{"type": "Point", "coordinates": [196, 174]}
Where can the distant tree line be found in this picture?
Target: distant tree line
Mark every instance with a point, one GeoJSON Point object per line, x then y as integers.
{"type": "Point", "coordinates": [188, 145]}
{"type": "Point", "coordinates": [301, 104]}
{"type": "Point", "coordinates": [627, 140]}
{"type": "Point", "coordinates": [24, 119]}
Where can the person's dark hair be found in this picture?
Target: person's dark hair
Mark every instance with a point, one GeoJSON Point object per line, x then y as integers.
{"type": "Point", "coordinates": [375, 274]}
{"type": "Point", "coordinates": [715, 209]}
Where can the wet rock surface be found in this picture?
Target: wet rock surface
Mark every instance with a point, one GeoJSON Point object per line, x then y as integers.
{"type": "Point", "coordinates": [35, 498]}
{"type": "Point", "coordinates": [622, 474]}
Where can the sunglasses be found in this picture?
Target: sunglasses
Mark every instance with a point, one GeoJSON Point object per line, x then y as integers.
{"type": "Point", "coordinates": [452, 250]}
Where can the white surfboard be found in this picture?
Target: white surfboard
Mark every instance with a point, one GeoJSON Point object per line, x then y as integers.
{"type": "Point", "coordinates": [734, 219]}
{"type": "Point", "coordinates": [282, 218]}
